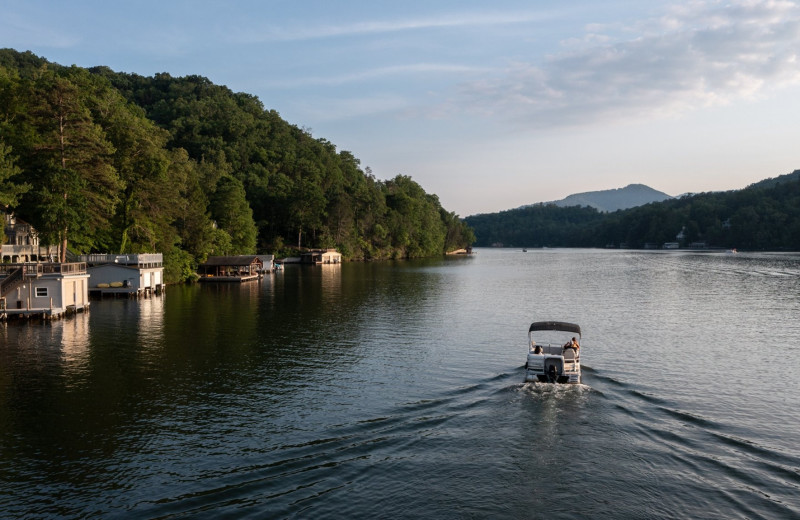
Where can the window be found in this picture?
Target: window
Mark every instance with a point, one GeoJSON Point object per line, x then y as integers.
{"type": "Point", "coordinates": [41, 291]}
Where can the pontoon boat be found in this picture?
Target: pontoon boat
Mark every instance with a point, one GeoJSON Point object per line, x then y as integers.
{"type": "Point", "coordinates": [553, 353]}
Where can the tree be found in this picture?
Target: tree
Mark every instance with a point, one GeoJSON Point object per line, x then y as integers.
{"type": "Point", "coordinates": [148, 210]}
{"type": "Point", "coordinates": [75, 186]}
{"type": "Point", "coordinates": [307, 206]}
{"type": "Point", "coordinates": [10, 191]}
{"type": "Point", "coordinates": [192, 220]}
{"type": "Point", "coordinates": [230, 209]}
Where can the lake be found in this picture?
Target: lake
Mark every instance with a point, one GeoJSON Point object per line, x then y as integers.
{"type": "Point", "coordinates": [395, 390]}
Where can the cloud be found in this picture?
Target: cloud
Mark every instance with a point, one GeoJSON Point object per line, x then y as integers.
{"type": "Point", "coordinates": [374, 73]}
{"type": "Point", "coordinates": [315, 32]}
{"type": "Point", "coordinates": [325, 110]}
{"type": "Point", "coordinates": [695, 55]}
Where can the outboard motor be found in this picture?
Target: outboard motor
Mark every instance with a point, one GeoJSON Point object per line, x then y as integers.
{"type": "Point", "coordinates": [553, 367]}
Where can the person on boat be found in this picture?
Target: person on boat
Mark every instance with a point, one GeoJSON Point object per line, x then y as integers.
{"type": "Point", "coordinates": [573, 344]}
{"type": "Point", "coordinates": [537, 349]}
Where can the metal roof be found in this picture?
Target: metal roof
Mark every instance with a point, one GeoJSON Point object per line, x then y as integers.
{"type": "Point", "coordinates": [231, 260]}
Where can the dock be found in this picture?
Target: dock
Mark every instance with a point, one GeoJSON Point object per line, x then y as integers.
{"type": "Point", "coordinates": [231, 269]}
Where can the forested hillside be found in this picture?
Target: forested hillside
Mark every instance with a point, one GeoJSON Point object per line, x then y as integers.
{"type": "Point", "coordinates": [764, 216]}
{"type": "Point", "coordinates": [103, 161]}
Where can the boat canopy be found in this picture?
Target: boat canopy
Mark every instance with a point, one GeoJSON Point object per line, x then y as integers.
{"type": "Point", "coordinates": [555, 325]}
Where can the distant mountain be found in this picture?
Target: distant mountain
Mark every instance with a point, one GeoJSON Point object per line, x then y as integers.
{"type": "Point", "coordinates": [765, 216]}
{"type": "Point", "coordinates": [630, 196]}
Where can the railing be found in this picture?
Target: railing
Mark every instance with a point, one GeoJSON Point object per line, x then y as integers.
{"type": "Point", "coordinates": [550, 349]}
{"type": "Point", "coordinates": [138, 259]}
{"type": "Point", "coordinates": [32, 269]}
{"type": "Point", "coordinates": [12, 280]}
{"type": "Point", "coordinates": [70, 268]}
{"type": "Point", "coordinates": [571, 359]}
{"type": "Point", "coordinates": [72, 257]}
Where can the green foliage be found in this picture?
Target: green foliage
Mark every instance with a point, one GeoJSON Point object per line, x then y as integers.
{"type": "Point", "coordinates": [233, 215]}
{"type": "Point", "coordinates": [415, 224]}
{"type": "Point", "coordinates": [178, 266]}
{"type": "Point", "coordinates": [65, 154]}
{"type": "Point", "coordinates": [10, 188]}
{"type": "Point", "coordinates": [765, 216]}
{"type": "Point", "coordinates": [121, 162]}
{"type": "Point", "coordinates": [536, 226]}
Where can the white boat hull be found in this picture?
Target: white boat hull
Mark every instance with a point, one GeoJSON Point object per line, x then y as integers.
{"type": "Point", "coordinates": [552, 368]}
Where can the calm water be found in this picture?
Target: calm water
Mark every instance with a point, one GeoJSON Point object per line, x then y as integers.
{"type": "Point", "coordinates": [394, 390]}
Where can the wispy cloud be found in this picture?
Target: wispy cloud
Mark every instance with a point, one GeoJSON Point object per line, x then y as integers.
{"type": "Point", "coordinates": [374, 73]}
{"type": "Point", "coordinates": [696, 54]}
{"type": "Point", "coordinates": [321, 31]}
{"type": "Point", "coordinates": [339, 109]}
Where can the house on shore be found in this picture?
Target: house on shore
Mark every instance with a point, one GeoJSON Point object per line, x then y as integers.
{"type": "Point", "coordinates": [241, 268]}
{"type": "Point", "coordinates": [130, 275]}
{"type": "Point", "coordinates": [23, 243]}
{"type": "Point", "coordinates": [321, 256]}
{"type": "Point", "coordinates": [44, 289]}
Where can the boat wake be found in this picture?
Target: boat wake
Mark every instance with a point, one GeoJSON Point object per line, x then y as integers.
{"type": "Point", "coordinates": [546, 391]}
{"type": "Point", "coordinates": [691, 444]}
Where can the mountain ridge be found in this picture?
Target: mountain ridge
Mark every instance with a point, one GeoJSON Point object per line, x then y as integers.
{"type": "Point", "coordinates": [764, 216]}
{"type": "Point", "coordinates": [607, 201]}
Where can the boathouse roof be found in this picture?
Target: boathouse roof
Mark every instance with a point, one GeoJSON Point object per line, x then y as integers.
{"type": "Point", "coordinates": [232, 260]}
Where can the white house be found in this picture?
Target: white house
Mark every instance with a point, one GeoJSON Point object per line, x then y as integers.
{"type": "Point", "coordinates": [48, 289]}
{"type": "Point", "coordinates": [23, 243]}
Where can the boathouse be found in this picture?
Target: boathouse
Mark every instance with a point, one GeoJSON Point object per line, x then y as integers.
{"type": "Point", "coordinates": [267, 263]}
{"type": "Point", "coordinates": [241, 268]}
{"type": "Point", "coordinates": [139, 274]}
{"type": "Point", "coordinates": [321, 256]}
{"type": "Point", "coordinates": [46, 289]}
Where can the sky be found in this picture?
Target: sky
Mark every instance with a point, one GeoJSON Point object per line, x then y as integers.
{"type": "Point", "coordinates": [488, 105]}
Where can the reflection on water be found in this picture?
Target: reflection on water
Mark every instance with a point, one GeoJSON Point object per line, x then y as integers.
{"type": "Point", "coordinates": [396, 389]}
{"type": "Point", "coordinates": [74, 340]}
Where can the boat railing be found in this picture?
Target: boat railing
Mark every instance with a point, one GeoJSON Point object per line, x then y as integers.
{"type": "Point", "coordinates": [549, 349]}
{"type": "Point", "coordinates": [571, 358]}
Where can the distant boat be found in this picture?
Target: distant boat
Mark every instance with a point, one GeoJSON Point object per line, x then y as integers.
{"type": "Point", "coordinates": [731, 251]}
